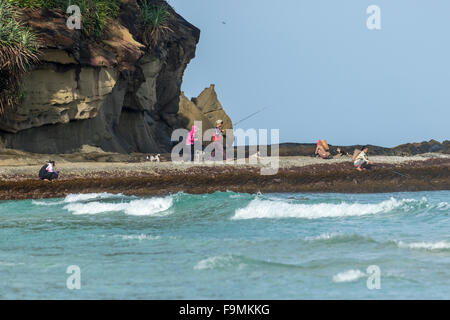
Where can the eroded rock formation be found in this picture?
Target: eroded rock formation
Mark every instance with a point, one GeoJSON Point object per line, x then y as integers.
{"type": "Point", "coordinates": [113, 93]}
{"type": "Point", "coordinates": [206, 108]}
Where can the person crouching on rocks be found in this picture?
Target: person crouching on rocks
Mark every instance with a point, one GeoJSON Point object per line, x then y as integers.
{"type": "Point", "coordinates": [322, 150]}
{"type": "Point", "coordinates": [362, 160]}
{"type": "Point", "coordinates": [48, 172]}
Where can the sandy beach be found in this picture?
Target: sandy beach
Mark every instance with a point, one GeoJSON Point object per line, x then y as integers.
{"type": "Point", "coordinates": [26, 168]}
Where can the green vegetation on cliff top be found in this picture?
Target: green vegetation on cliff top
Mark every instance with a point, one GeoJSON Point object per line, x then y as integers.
{"type": "Point", "coordinates": [155, 21]}
{"type": "Point", "coordinates": [154, 15]}
{"type": "Point", "coordinates": [18, 45]}
{"type": "Point", "coordinates": [17, 53]}
{"type": "Point", "coordinates": [95, 13]}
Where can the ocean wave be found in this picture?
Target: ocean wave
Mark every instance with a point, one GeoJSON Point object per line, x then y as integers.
{"type": "Point", "coordinates": [439, 245]}
{"type": "Point", "coordinates": [45, 203]}
{"type": "Point", "coordinates": [218, 262]}
{"type": "Point", "coordinates": [79, 197]}
{"type": "Point", "coordinates": [279, 209]}
{"type": "Point", "coordinates": [140, 237]}
{"type": "Point", "coordinates": [348, 276]}
{"type": "Point", "coordinates": [144, 207]}
{"type": "Point", "coordinates": [10, 264]}
{"type": "Point", "coordinates": [239, 262]}
{"type": "Point", "coordinates": [324, 236]}
{"type": "Point", "coordinates": [443, 206]}
{"type": "Point", "coordinates": [338, 237]}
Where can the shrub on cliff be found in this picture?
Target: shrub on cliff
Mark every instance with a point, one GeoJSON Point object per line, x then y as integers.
{"type": "Point", "coordinates": [18, 50]}
{"type": "Point", "coordinates": [155, 21]}
{"type": "Point", "coordinates": [94, 13]}
{"type": "Point", "coordinates": [33, 3]}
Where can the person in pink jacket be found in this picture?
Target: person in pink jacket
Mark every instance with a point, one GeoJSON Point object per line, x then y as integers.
{"type": "Point", "coordinates": [190, 141]}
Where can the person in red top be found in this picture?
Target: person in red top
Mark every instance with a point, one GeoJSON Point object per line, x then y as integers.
{"type": "Point", "coordinates": [219, 133]}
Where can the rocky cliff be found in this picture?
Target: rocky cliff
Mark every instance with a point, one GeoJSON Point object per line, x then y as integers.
{"type": "Point", "coordinates": [114, 93]}
{"type": "Point", "coordinates": [205, 108]}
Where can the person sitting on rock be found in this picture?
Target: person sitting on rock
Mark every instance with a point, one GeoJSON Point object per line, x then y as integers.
{"type": "Point", "coordinates": [322, 150]}
{"type": "Point", "coordinates": [362, 160]}
{"type": "Point", "coordinates": [48, 172]}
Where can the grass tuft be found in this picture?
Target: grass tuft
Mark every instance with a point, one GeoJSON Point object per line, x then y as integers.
{"type": "Point", "coordinates": [95, 14]}
{"type": "Point", "coordinates": [155, 22]}
{"type": "Point", "coordinates": [18, 51]}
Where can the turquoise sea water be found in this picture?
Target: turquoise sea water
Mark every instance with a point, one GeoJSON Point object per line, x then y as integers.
{"type": "Point", "coordinates": [227, 246]}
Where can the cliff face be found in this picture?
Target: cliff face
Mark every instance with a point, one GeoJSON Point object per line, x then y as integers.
{"type": "Point", "coordinates": [113, 93]}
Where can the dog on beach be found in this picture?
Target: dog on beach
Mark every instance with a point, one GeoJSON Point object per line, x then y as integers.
{"type": "Point", "coordinates": [256, 156]}
{"type": "Point", "coordinates": [154, 158]}
{"type": "Point", "coordinates": [199, 156]}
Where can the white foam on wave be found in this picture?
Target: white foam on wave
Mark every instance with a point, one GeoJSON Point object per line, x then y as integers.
{"type": "Point", "coordinates": [443, 206]}
{"type": "Point", "coordinates": [324, 236]}
{"type": "Point", "coordinates": [71, 198]}
{"type": "Point", "coordinates": [440, 245]}
{"type": "Point", "coordinates": [258, 208]}
{"type": "Point", "coordinates": [348, 276]}
{"type": "Point", "coordinates": [44, 203]}
{"type": "Point", "coordinates": [140, 237]}
{"type": "Point", "coordinates": [217, 262]}
{"type": "Point", "coordinates": [10, 264]}
{"type": "Point", "coordinates": [78, 197]}
{"type": "Point", "coordinates": [144, 207]}
{"type": "Point", "coordinates": [210, 263]}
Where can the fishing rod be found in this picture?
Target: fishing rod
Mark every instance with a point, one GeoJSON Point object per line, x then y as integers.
{"type": "Point", "coordinates": [246, 118]}
{"type": "Point", "coordinates": [250, 116]}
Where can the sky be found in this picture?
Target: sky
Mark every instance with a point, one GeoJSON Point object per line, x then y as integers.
{"type": "Point", "coordinates": [321, 72]}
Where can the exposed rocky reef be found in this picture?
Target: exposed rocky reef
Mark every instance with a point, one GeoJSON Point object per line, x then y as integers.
{"type": "Point", "coordinates": [409, 149]}
{"type": "Point", "coordinates": [114, 93]}
{"type": "Point", "coordinates": [431, 174]}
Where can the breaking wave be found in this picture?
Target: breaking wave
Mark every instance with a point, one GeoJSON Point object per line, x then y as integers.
{"type": "Point", "coordinates": [78, 197]}
{"type": "Point", "coordinates": [348, 276]}
{"type": "Point", "coordinates": [258, 209]}
{"type": "Point", "coordinates": [439, 245]}
{"type": "Point", "coordinates": [218, 262]}
{"type": "Point", "coordinates": [144, 207]}
{"type": "Point", "coordinates": [71, 198]}
{"type": "Point", "coordinates": [339, 237]}
{"type": "Point", "coordinates": [141, 237]}
{"type": "Point", "coordinates": [46, 203]}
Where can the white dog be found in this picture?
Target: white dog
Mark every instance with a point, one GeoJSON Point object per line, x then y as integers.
{"type": "Point", "coordinates": [199, 155]}
{"type": "Point", "coordinates": [154, 158]}
{"type": "Point", "coordinates": [256, 156]}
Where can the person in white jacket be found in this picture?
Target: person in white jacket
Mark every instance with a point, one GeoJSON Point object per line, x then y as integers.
{"type": "Point", "coordinates": [362, 160]}
{"type": "Point", "coordinates": [48, 172]}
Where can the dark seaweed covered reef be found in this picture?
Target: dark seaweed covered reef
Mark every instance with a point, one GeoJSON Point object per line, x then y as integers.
{"type": "Point", "coordinates": [432, 174]}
